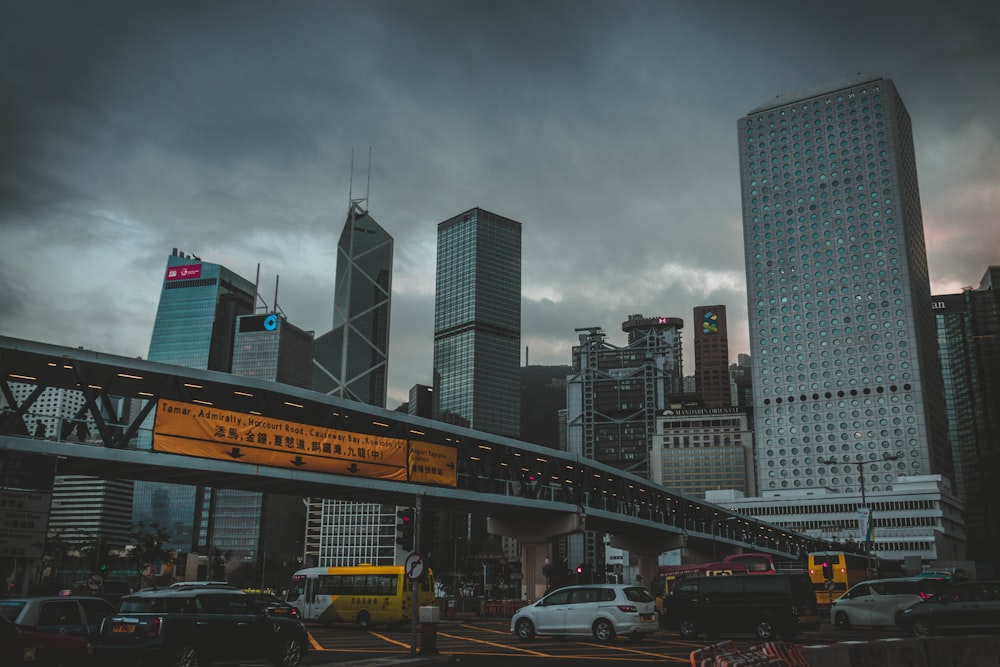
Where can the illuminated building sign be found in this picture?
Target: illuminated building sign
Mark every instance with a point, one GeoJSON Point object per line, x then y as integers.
{"type": "Point", "coordinates": [186, 272]}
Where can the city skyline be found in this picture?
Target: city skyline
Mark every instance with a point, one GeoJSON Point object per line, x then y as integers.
{"type": "Point", "coordinates": [607, 130]}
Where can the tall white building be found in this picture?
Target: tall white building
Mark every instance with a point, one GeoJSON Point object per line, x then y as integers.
{"type": "Point", "coordinates": [846, 378]}
{"type": "Point", "coordinates": [844, 349]}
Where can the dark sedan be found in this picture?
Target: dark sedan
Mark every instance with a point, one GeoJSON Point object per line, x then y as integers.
{"type": "Point", "coordinates": [968, 606]}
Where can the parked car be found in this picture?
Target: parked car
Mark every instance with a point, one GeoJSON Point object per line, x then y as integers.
{"type": "Point", "coordinates": [601, 611]}
{"type": "Point", "coordinates": [188, 625]}
{"type": "Point", "coordinates": [70, 622]}
{"type": "Point", "coordinates": [971, 605]}
{"type": "Point", "coordinates": [767, 604]}
{"type": "Point", "coordinates": [20, 646]}
{"type": "Point", "coordinates": [272, 604]}
{"type": "Point", "coordinates": [880, 602]}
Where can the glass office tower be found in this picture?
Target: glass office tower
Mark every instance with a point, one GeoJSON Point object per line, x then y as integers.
{"type": "Point", "coordinates": [352, 359]}
{"type": "Point", "coordinates": [477, 322]}
{"type": "Point", "coordinates": [969, 336]}
{"type": "Point", "coordinates": [195, 327]}
{"type": "Point", "coordinates": [711, 356]}
{"type": "Point", "coordinates": [844, 352]}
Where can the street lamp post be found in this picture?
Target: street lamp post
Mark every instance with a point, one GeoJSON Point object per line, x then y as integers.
{"type": "Point", "coordinates": [869, 548]}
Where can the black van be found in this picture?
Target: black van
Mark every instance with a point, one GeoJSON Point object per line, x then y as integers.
{"type": "Point", "coordinates": [766, 604]}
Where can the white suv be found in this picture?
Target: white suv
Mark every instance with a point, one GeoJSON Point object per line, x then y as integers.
{"type": "Point", "coordinates": [601, 611]}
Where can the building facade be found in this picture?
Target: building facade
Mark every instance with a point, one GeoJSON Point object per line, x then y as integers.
{"type": "Point", "coordinates": [921, 516]}
{"type": "Point", "coordinates": [477, 323]}
{"type": "Point", "coordinates": [195, 326]}
{"type": "Point", "coordinates": [845, 355]}
{"type": "Point", "coordinates": [711, 356]}
{"type": "Point", "coordinates": [696, 450]}
{"type": "Point", "coordinates": [615, 393]}
{"type": "Point", "coordinates": [477, 343]}
{"type": "Point", "coordinates": [252, 527]}
{"type": "Point", "coordinates": [968, 327]}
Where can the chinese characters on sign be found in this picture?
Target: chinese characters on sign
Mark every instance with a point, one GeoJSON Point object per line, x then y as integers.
{"type": "Point", "coordinates": [193, 430]}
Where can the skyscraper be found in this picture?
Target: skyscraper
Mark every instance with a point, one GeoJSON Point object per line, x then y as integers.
{"type": "Point", "coordinates": [477, 342]}
{"type": "Point", "coordinates": [257, 527]}
{"type": "Point", "coordinates": [477, 322]}
{"type": "Point", "coordinates": [711, 356]}
{"type": "Point", "coordinates": [845, 360]}
{"type": "Point", "coordinates": [195, 327]}
{"type": "Point", "coordinates": [351, 360]}
{"type": "Point", "coordinates": [616, 393]}
{"type": "Point", "coordinates": [969, 336]}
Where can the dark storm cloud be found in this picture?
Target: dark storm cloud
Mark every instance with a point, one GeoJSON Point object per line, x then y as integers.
{"type": "Point", "coordinates": [607, 128]}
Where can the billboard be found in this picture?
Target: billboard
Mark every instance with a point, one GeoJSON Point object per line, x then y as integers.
{"type": "Point", "coordinates": [207, 432]}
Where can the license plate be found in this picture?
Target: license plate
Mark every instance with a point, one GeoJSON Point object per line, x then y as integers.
{"type": "Point", "coordinates": [123, 628]}
{"type": "Point", "coordinates": [645, 617]}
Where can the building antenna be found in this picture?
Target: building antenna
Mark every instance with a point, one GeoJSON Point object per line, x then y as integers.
{"type": "Point", "coordinates": [256, 290]}
{"type": "Point", "coordinates": [350, 182]}
{"type": "Point", "coordinates": [369, 186]}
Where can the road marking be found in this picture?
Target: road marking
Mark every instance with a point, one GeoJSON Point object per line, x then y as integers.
{"type": "Point", "coordinates": [389, 639]}
{"type": "Point", "coordinates": [495, 645]}
{"type": "Point", "coordinates": [636, 651]}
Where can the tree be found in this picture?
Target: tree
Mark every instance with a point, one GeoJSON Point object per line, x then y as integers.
{"type": "Point", "coordinates": [149, 548]}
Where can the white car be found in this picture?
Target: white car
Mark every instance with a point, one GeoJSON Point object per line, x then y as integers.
{"type": "Point", "coordinates": [601, 611]}
{"type": "Point", "coordinates": [880, 602]}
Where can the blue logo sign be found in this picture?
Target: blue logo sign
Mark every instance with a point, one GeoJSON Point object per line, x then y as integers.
{"type": "Point", "coordinates": [271, 322]}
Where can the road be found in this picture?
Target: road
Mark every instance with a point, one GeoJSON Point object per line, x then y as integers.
{"type": "Point", "coordinates": [489, 642]}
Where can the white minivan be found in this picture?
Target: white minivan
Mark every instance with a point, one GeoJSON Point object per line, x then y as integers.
{"type": "Point", "coordinates": [880, 602]}
{"type": "Point", "coordinates": [601, 611]}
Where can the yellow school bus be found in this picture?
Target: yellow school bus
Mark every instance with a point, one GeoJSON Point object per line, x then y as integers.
{"type": "Point", "coordinates": [365, 595]}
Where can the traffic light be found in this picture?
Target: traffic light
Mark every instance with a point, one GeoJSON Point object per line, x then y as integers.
{"type": "Point", "coordinates": [404, 529]}
{"type": "Point", "coordinates": [827, 570]}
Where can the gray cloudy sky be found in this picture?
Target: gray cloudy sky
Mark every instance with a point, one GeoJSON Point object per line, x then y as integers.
{"type": "Point", "coordinates": [608, 129]}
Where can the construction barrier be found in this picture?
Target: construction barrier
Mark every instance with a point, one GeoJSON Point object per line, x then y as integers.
{"type": "Point", "coordinates": [727, 654]}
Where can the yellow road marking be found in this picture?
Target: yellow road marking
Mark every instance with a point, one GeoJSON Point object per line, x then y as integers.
{"type": "Point", "coordinates": [315, 644]}
{"type": "Point", "coordinates": [389, 639]}
{"type": "Point", "coordinates": [495, 645]}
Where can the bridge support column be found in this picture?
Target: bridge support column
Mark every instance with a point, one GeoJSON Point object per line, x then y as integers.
{"type": "Point", "coordinates": [534, 540]}
{"type": "Point", "coordinates": [648, 550]}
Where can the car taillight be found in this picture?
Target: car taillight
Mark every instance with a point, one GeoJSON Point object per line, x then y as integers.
{"type": "Point", "coordinates": [294, 612]}
{"type": "Point", "coordinates": [924, 595]}
{"type": "Point", "coordinates": [627, 608]}
{"type": "Point", "coordinates": [153, 627]}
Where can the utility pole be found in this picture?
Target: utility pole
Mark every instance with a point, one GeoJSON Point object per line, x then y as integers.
{"type": "Point", "coordinates": [869, 547]}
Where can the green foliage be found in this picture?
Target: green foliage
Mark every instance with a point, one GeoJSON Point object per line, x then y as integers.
{"type": "Point", "coordinates": [148, 548]}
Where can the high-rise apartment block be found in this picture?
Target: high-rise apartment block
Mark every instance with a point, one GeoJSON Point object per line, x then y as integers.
{"type": "Point", "coordinates": [477, 323]}
{"type": "Point", "coordinates": [711, 356]}
{"type": "Point", "coordinates": [616, 393]}
{"type": "Point", "coordinates": [969, 338]}
{"type": "Point", "coordinates": [845, 356]}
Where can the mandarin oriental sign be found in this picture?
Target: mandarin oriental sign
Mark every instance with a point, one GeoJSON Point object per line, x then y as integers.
{"type": "Point", "coordinates": [195, 430]}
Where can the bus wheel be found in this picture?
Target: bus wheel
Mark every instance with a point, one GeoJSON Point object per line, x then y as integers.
{"type": "Point", "coordinates": [842, 621]}
{"type": "Point", "coordinates": [364, 621]}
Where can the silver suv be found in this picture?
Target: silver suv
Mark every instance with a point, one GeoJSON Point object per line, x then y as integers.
{"type": "Point", "coordinates": [601, 611]}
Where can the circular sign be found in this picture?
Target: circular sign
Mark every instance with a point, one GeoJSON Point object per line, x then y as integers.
{"type": "Point", "coordinates": [271, 322]}
{"type": "Point", "coordinates": [414, 566]}
{"type": "Point", "coordinates": [828, 584]}
{"type": "Point", "coordinates": [95, 581]}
